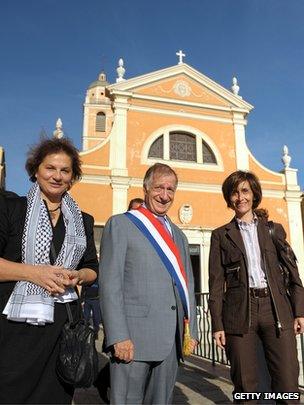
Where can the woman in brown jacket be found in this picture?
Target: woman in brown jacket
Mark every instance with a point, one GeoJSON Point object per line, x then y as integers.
{"type": "Point", "coordinates": [248, 298]}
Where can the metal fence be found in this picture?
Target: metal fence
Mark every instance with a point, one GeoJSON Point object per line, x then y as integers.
{"type": "Point", "coordinates": [207, 348]}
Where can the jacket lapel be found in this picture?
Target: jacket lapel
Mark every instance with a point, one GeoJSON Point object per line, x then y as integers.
{"type": "Point", "coordinates": [234, 234]}
{"type": "Point", "coordinates": [262, 232]}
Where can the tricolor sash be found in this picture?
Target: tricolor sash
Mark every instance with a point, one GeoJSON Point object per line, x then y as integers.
{"type": "Point", "coordinates": [166, 249]}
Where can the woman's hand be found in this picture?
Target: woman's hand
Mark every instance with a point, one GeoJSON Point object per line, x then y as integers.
{"type": "Point", "coordinates": [299, 325]}
{"type": "Point", "coordinates": [82, 276]}
{"type": "Point", "coordinates": [220, 338]}
{"type": "Point", "coordinates": [53, 278]}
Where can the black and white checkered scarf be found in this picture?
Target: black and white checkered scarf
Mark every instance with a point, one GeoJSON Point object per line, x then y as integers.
{"type": "Point", "coordinates": [29, 302]}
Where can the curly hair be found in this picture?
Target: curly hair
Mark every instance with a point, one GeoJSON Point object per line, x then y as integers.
{"type": "Point", "coordinates": [49, 146]}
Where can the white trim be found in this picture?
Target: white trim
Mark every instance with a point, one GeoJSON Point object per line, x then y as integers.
{"type": "Point", "coordinates": [241, 150]}
{"type": "Point", "coordinates": [276, 183]}
{"type": "Point", "coordinates": [185, 103]}
{"type": "Point", "coordinates": [120, 198]}
{"type": "Point", "coordinates": [273, 194]}
{"type": "Point", "coordinates": [99, 146]}
{"type": "Point", "coordinates": [293, 200]}
{"type": "Point", "coordinates": [182, 114]}
{"type": "Point", "coordinates": [282, 176]}
{"type": "Point", "coordinates": [202, 136]}
{"type": "Point", "coordinates": [182, 186]}
{"type": "Point", "coordinates": [85, 128]}
{"type": "Point", "coordinates": [185, 165]}
{"type": "Point", "coordinates": [118, 145]}
{"type": "Point", "coordinates": [84, 166]}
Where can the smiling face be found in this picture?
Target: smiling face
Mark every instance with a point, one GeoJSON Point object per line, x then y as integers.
{"type": "Point", "coordinates": [159, 195]}
{"type": "Point", "coordinates": [241, 201]}
{"type": "Point", "coordinates": [54, 175]}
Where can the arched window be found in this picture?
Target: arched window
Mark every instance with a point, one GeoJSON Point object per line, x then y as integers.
{"type": "Point", "coordinates": [100, 122]}
{"type": "Point", "coordinates": [208, 155]}
{"type": "Point", "coordinates": [157, 148]}
{"type": "Point", "coordinates": [182, 146]}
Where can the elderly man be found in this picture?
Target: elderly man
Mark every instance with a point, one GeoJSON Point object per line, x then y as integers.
{"type": "Point", "coordinates": [147, 297]}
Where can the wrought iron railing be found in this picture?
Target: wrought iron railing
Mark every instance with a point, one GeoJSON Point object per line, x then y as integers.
{"type": "Point", "coordinates": [207, 347]}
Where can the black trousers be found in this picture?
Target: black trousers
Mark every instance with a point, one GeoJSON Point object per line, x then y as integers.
{"type": "Point", "coordinates": [27, 362]}
{"type": "Point", "coordinates": [280, 352]}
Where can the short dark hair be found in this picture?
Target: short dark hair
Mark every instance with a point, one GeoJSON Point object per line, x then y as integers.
{"type": "Point", "coordinates": [232, 182]}
{"type": "Point", "coordinates": [49, 146]}
{"type": "Point", "coordinates": [160, 168]}
{"type": "Point", "coordinates": [135, 201]}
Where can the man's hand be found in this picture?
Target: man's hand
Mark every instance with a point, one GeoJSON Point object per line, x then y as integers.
{"type": "Point", "coordinates": [124, 350]}
{"type": "Point", "coordinates": [193, 343]}
{"type": "Point", "coordinates": [298, 325]}
{"type": "Point", "coordinates": [220, 338]}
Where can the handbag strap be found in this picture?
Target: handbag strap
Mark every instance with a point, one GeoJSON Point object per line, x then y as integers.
{"type": "Point", "coordinates": [272, 233]}
{"type": "Point", "coordinates": [53, 255]}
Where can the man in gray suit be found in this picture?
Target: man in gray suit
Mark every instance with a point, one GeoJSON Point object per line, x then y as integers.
{"type": "Point", "coordinates": [147, 297]}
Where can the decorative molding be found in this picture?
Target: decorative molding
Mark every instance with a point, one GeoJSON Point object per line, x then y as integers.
{"type": "Point", "coordinates": [194, 104]}
{"type": "Point", "coordinates": [96, 167]}
{"type": "Point", "coordinates": [182, 186]}
{"type": "Point", "coordinates": [95, 148]}
{"type": "Point", "coordinates": [182, 88]}
{"type": "Point", "coordinates": [182, 114]}
{"type": "Point", "coordinates": [185, 214]}
{"type": "Point", "coordinates": [170, 72]}
{"type": "Point", "coordinates": [185, 165]}
{"type": "Point", "coordinates": [265, 168]}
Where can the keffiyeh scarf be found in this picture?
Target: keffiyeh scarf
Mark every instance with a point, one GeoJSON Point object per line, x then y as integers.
{"type": "Point", "coordinates": [29, 302]}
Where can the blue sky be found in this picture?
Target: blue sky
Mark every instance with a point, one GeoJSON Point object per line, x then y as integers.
{"type": "Point", "coordinates": [51, 50]}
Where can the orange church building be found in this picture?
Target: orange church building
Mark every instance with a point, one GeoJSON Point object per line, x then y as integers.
{"type": "Point", "coordinates": [180, 117]}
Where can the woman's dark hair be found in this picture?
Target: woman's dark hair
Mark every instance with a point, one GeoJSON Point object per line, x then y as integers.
{"type": "Point", "coordinates": [232, 182]}
{"type": "Point", "coordinates": [49, 146]}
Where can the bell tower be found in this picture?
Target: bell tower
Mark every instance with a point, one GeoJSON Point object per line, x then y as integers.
{"type": "Point", "coordinates": [97, 113]}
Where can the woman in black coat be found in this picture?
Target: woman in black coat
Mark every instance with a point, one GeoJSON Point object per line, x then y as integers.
{"type": "Point", "coordinates": [46, 249]}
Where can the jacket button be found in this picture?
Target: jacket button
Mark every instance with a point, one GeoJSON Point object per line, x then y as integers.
{"type": "Point", "coordinates": [173, 307]}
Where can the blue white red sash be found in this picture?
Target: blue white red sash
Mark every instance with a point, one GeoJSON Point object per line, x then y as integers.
{"type": "Point", "coordinates": [166, 249]}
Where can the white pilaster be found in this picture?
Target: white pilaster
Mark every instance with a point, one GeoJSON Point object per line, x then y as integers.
{"type": "Point", "coordinates": [205, 256]}
{"type": "Point", "coordinates": [293, 199]}
{"type": "Point", "coordinates": [120, 194]}
{"type": "Point", "coordinates": [241, 150]}
{"type": "Point", "coordinates": [118, 145]}
{"type": "Point", "coordinates": [85, 129]}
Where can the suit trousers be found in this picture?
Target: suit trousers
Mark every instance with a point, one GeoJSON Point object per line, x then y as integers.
{"type": "Point", "coordinates": [149, 382]}
{"type": "Point", "coordinates": [280, 352]}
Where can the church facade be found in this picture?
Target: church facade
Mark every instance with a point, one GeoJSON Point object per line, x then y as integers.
{"type": "Point", "coordinates": [180, 117]}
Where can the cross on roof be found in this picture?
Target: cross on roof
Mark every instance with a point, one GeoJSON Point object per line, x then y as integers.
{"type": "Point", "coordinates": [180, 54]}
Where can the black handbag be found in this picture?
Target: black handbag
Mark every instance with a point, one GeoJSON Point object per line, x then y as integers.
{"type": "Point", "coordinates": [77, 361]}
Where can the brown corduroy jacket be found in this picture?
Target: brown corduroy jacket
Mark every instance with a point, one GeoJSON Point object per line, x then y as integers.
{"type": "Point", "coordinates": [228, 279]}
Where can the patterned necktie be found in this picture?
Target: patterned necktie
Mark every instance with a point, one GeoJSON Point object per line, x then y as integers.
{"type": "Point", "coordinates": [163, 222]}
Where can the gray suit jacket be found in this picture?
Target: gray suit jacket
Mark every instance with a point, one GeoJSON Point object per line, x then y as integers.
{"type": "Point", "coordinates": [138, 297]}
